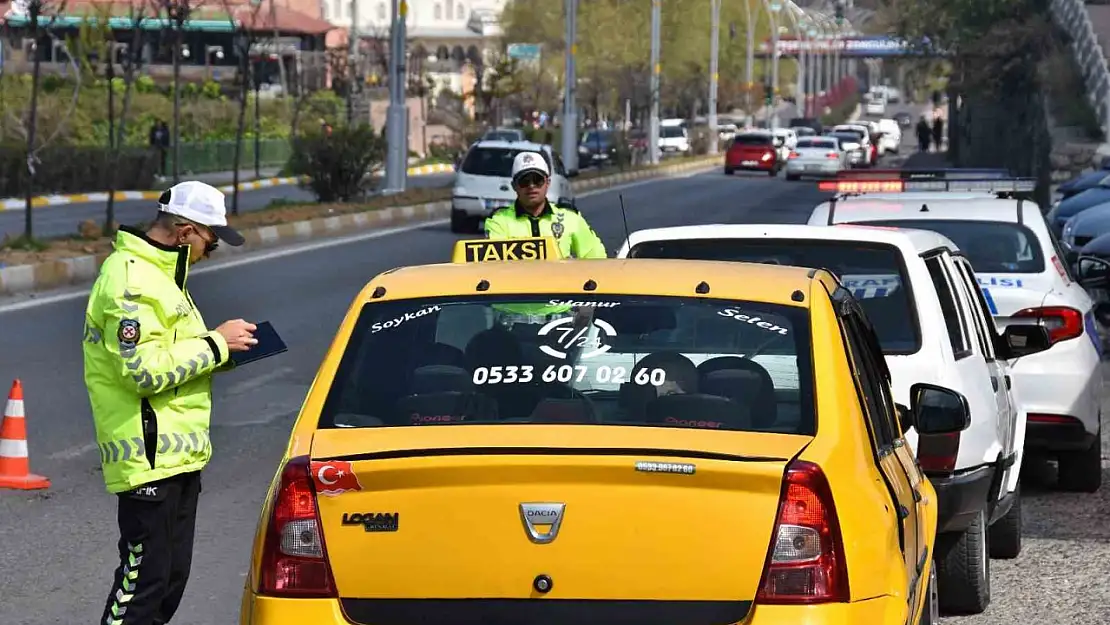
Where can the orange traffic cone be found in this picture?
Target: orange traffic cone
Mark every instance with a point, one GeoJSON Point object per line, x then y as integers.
{"type": "Point", "coordinates": [15, 463]}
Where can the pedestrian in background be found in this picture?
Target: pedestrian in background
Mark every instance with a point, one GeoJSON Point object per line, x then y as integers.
{"type": "Point", "coordinates": [924, 135]}
{"type": "Point", "coordinates": [149, 360]}
{"type": "Point", "coordinates": [938, 132]}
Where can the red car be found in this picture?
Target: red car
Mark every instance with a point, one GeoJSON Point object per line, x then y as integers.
{"type": "Point", "coordinates": [753, 151]}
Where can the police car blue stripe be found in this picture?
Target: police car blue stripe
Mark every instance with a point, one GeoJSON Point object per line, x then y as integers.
{"type": "Point", "coordinates": [990, 300]}
{"type": "Point", "coordinates": [1090, 328]}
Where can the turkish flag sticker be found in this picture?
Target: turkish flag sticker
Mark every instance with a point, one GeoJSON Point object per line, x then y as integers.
{"type": "Point", "coordinates": [334, 477]}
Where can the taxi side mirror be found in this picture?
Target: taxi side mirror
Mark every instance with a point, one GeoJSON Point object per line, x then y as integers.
{"type": "Point", "coordinates": [938, 410]}
{"type": "Point", "coordinates": [1025, 340]}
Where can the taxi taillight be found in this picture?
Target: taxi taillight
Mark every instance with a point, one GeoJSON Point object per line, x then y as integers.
{"type": "Point", "coordinates": [805, 563]}
{"type": "Point", "coordinates": [294, 558]}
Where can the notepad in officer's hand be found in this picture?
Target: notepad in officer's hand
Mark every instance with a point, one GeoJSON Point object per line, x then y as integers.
{"type": "Point", "coordinates": [269, 343]}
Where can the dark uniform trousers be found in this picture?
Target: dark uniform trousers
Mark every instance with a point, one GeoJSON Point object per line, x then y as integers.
{"type": "Point", "coordinates": [157, 522]}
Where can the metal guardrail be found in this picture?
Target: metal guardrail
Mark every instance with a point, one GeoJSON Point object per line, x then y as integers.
{"type": "Point", "coordinates": [1072, 17]}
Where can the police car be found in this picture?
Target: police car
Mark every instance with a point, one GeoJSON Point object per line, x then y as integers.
{"type": "Point", "coordinates": [1025, 280]}
{"type": "Point", "coordinates": [919, 292]}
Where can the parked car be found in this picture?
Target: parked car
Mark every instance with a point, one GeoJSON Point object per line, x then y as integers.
{"type": "Point", "coordinates": [754, 151]}
{"type": "Point", "coordinates": [596, 148]}
{"type": "Point", "coordinates": [857, 146]}
{"type": "Point", "coordinates": [674, 139]}
{"type": "Point", "coordinates": [816, 156]}
{"type": "Point", "coordinates": [483, 181]}
{"type": "Point", "coordinates": [1067, 208]}
{"type": "Point", "coordinates": [1025, 280]}
{"type": "Point", "coordinates": [1086, 226]}
{"type": "Point", "coordinates": [933, 327]}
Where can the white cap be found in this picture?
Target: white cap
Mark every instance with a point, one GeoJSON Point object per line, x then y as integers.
{"type": "Point", "coordinates": [530, 161]}
{"type": "Point", "coordinates": [202, 203]}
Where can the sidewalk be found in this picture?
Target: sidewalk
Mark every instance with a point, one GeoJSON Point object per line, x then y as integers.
{"type": "Point", "coordinates": [247, 182]}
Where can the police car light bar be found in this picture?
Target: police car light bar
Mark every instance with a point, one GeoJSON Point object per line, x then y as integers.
{"type": "Point", "coordinates": [990, 185]}
{"type": "Point", "coordinates": [925, 174]}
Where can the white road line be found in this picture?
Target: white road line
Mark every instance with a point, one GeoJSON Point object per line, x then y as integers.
{"type": "Point", "coordinates": [251, 258]}
{"type": "Point", "coordinates": [73, 452]}
{"type": "Point", "coordinates": [258, 381]}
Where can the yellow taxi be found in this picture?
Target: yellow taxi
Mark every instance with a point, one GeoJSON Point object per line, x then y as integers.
{"type": "Point", "coordinates": [595, 441]}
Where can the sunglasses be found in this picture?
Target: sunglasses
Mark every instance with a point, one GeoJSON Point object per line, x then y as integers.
{"type": "Point", "coordinates": [530, 180]}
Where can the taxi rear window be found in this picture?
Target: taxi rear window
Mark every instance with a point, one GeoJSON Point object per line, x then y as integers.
{"type": "Point", "coordinates": [605, 360]}
{"type": "Point", "coordinates": [874, 273]}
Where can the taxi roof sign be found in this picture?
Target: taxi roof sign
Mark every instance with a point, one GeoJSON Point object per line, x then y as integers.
{"type": "Point", "coordinates": [497, 250]}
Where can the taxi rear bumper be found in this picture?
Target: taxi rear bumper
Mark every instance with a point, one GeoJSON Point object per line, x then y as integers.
{"type": "Point", "coordinates": [887, 609]}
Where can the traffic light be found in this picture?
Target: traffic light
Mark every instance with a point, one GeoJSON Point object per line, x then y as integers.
{"type": "Point", "coordinates": [839, 13]}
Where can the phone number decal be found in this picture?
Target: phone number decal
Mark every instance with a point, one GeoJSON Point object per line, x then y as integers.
{"type": "Point", "coordinates": [522, 374]}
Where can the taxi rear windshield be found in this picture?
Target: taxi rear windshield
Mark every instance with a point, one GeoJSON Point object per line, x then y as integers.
{"type": "Point", "coordinates": [991, 246]}
{"type": "Point", "coordinates": [606, 360]}
{"type": "Point", "coordinates": [492, 162]}
{"type": "Point", "coordinates": [874, 273]}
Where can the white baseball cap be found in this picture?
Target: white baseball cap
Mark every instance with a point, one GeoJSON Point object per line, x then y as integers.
{"type": "Point", "coordinates": [526, 162]}
{"type": "Point", "coordinates": [202, 203]}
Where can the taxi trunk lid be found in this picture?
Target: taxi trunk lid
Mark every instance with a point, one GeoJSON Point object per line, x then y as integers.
{"type": "Point", "coordinates": [624, 518]}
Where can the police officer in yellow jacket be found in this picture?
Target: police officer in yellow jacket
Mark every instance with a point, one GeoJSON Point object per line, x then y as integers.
{"type": "Point", "coordinates": [532, 215]}
{"type": "Point", "coordinates": [149, 359]}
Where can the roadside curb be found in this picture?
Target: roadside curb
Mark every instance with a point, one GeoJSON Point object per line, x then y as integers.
{"type": "Point", "coordinates": [84, 269]}
{"type": "Point", "coordinates": [81, 198]}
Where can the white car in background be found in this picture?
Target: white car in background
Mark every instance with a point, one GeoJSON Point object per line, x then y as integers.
{"type": "Point", "coordinates": [816, 156]}
{"type": "Point", "coordinates": [875, 106]}
{"type": "Point", "coordinates": [891, 139]}
{"type": "Point", "coordinates": [673, 137]}
{"type": "Point", "coordinates": [483, 182]}
{"type": "Point", "coordinates": [1025, 280]}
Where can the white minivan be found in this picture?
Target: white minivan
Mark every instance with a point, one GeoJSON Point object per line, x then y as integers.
{"type": "Point", "coordinates": [920, 294]}
{"type": "Point", "coordinates": [483, 181]}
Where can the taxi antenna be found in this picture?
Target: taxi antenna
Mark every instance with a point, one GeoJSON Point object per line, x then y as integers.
{"type": "Point", "coordinates": [624, 216]}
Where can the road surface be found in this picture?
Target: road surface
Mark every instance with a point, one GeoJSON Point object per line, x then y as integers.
{"type": "Point", "coordinates": [59, 545]}
{"type": "Point", "coordinates": [55, 221]}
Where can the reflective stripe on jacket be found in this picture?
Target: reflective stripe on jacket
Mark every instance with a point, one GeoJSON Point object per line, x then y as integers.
{"type": "Point", "coordinates": [148, 364]}
{"type": "Point", "coordinates": [576, 238]}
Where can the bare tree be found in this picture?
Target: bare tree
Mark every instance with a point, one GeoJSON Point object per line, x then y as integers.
{"type": "Point", "coordinates": [246, 34]}
{"type": "Point", "coordinates": [37, 11]}
{"type": "Point", "coordinates": [178, 12]}
{"type": "Point", "coordinates": [131, 61]}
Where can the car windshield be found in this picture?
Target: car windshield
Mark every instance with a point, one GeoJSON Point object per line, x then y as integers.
{"type": "Point", "coordinates": [820, 144]}
{"type": "Point", "coordinates": [621, 360]}
{"type": "Point", "coordinates": [502, 135]}
{"type": "Point", "coordinates": [848, 135]}
{"type": "Point", "coordinates": [596, 136]}
{"type": "Point", "coordinates": [874, 273]}
{"type": "Point", "coordinates": [670, 132]}
{"type": "Point", "coordinates": [991, 246]}
{"type": "Point", "coordinates": [492, 162]}
{"type": "Point", "coordinates": [752, 140]}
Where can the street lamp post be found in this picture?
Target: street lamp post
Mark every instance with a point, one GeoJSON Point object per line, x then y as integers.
{"type": "Point", "coordinates": [749, 67]}
{"type": "Point", "coordinates": [653, 130]}
{"type": "Point", "coordinates": [570, 103]}
{"type": "Point", "coordinates": [397, 115]}
{"type": "Point", "coordinates": [714, 44]}
{"type": "Point", "coordinates": [814, 70]}
{"type": "Point", "coordinates": [773, 8]}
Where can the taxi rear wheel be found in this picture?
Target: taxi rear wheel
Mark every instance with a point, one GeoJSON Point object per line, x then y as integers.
{"type": "Point", "coordinates": [964, 569]}
{"type": "Point", "coordinates": [1081, 472]}
{"type": "Point", "coordinates": [1005, 534]}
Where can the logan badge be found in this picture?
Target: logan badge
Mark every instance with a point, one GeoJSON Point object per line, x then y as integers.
{"type": "Point", "coordinates": [542, 520]}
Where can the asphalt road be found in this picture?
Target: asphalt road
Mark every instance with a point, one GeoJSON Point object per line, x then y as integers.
{"type": "Point", "coordinates": [59, 545]}
{"type": "Point", "coordinates": [55, 221]}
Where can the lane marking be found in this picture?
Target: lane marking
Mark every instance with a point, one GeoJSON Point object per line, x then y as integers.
{"type": "Point", "coordinates": [251, 258]}
{"type": "Point", "coordinates": [258, 381]}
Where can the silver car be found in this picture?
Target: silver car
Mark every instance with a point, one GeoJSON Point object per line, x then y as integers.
{"type": "Point", "coordinates": [816, 156]}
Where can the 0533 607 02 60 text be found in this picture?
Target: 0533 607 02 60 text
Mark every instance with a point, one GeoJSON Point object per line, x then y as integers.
{"type": "Point", "coordinates": [604, 374]}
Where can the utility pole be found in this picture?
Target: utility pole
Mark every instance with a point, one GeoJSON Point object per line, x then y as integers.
{"type": "Point", "coordinates": [749, 67]}
{"type": "Point", "coordinates": [714, 45]}
{"type": "Point", "coordinates": [353, 74]}
{"type": "Point", "coordinates": [772, 112]}
{"type": "Point", "coordinates": [397, 116]}
{"type": "Point", "coordinates": [570, 89]}
{"type": "Point", "coordinates": [653, 129]}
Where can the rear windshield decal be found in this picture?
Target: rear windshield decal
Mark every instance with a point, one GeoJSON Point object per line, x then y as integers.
{"type": "Point", "coordinates": [753, 320]}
